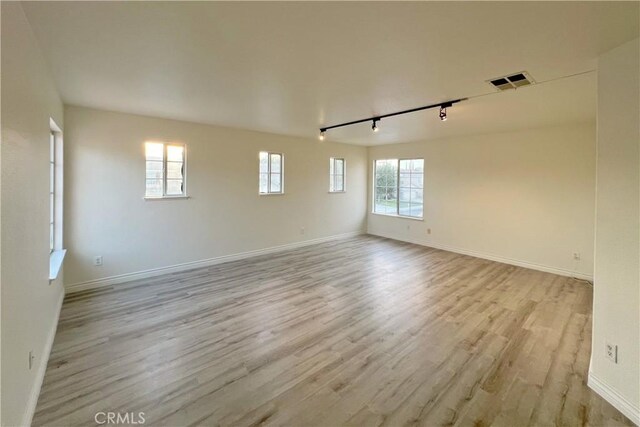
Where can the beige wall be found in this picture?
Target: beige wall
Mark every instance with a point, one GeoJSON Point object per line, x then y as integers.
{"type": "Point", "coordinates": [105, 213]}
{"type": "Point", "coordinates": [30, 303]}
{"type": "Point", "coordinates": [523, 197]}
{"type": "Point", "coordinates": [616, 305]}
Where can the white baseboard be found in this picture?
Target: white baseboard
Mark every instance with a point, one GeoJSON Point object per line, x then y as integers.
{"type": "Point", "coordinates": [42, 366]}
{"type": "Point", "coordinates": [112, 280]}
{"type": "Point", "coordinates": [616, 399]}
{"type": "Point", "coordinates": [491, 257]}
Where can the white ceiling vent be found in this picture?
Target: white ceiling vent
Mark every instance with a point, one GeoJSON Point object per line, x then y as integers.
{"type": "Point", "coordinates": [512, 81]}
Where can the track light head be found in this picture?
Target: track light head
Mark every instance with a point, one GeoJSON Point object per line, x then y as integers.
{"type": "Point", "coordinates": [374, 126]}
{"type": "Point", "coordinates": [321, 135]}
{"type": "Point", "coordinates": [443, 114]}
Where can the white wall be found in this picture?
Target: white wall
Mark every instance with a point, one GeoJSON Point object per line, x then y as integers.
{"type": "Point", "coordinates": [30, 304]}
{"type": "Point", "coordinates": [523, 197]}
{"type": "Point", "coordinates": [105, 213]}
{"type": "Point", "coordinates": [616, 305]}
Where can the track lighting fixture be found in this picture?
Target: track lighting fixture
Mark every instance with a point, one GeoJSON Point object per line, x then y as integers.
{"type": "Point", "coordinates": [443, 116]}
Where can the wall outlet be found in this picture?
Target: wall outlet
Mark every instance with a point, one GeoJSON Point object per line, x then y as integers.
{"type": "Point", "coordinates": [408, 227]}
{"type": "Point", "coordinates": [428, 231]}
{"type": "Point", "coordinates": [32, 358]}
{"type": "Point", "coordinates": [576, 256]}
{"type": "Point", "coordinates": [611, 351]}
{"type": "Point", "coordinates": [97, 260]}
{"type": "Point", "coordinates": [302, 231]}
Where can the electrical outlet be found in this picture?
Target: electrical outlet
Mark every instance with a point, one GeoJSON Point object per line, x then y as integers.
{"type": "Point", "coordinates": [576, 256]}
{"type": "Point", "coordinates": [611, 351]}
{"type": "Point", "coordinates": [97, 261]}
{"type": "Point", "coordinates": [31, 359]}
{"type": "Point", "coordinates": [428, 231]}
{"type": "Point", "coordinates": [302, 231]}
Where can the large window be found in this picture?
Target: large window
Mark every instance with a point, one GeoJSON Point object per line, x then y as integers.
{"type": "Point", "coordinates": [271, 177]}
{"type": "Point", "coordinates": [336, 175]}
{"type": "Point", "coordinates": [165, 171]}
{"type": "Point", "coordinates": [399, 187]}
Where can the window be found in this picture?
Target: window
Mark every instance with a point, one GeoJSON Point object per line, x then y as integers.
{"type": "Point", "coordinates": [165, 171]}
{"type": "Point", "coordinates": [271, 173]}
{"type": "Point", "coordinates": [56, 163]}
{"type": "Point", "coordinates": [336, 175]}
{"type": "Point", "coordinates": [399, 187]}
{"type": "Point", "coordinates": [52, 191]}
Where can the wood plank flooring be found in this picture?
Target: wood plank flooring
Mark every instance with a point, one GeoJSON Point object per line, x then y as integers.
{"type": "Point", "coordinates": [364, 331]}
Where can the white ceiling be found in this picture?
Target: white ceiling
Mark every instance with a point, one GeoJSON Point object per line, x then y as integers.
{"type": "Point", "coordinates": [291, 68]}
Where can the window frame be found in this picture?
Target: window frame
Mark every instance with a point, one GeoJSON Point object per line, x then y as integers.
{"type": "Point", "coordinates": [165, 160]}
{"type": "Point", "coordinates": [52, 191]}
{"type": "Point", "coordinates": [56, 200]}
{"type": "Point", "coordinates": [397, 214]}
{"type": "Point", "coordinates": [333, 176]}
{"type": "Point", "coordinates": [269, 173]}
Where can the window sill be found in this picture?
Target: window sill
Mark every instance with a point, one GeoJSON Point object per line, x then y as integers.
{"type": "Point", "coordinates": [337, 192]}
{"type": "Point", "coordinates": [55, 263]}
{"type": "Point", "coordinates": [147, 199]}
{"type": "Point", "coordinates": [399, 216]}
{"type": "Point", "coordinates": [271, 194]}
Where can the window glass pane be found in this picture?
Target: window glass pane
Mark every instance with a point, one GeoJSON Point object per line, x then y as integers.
{"type": "Point", "coordinates": [405, 179]}
{"type": "Point", "coordinates": [416, 195]}
{"type": "Point", "coordinates": [275, 183]}
{"type": "Point", "coordinates": [174, 187]}
{"type": "Point", "coordinates": [275, 163]}
{"type": "Point", "coordinates": [416, 210]}
{"type": "Point", "coordinates": [405, 195]}
{"type": "Point", "coordinates": [405, 165]}
{"type": "Point", "coordinates": [52, 147]}
{"type": "Point", "coordinates": [379, 206]}
{"type": "Point", "coordinates": [52, 177]}
{"type": "Point", "coordinates": [331, 164]}
{"type": "Point", "coordinates": [175, 153]}
{"type": "Point", "coordinates": [174, 170]}
{"type": "Point", "coordinates": [390, 200]}
{"type": "Point", "coordinates": [51, 208]}
{"type": "Point", "coordinates": [154, 188]}
{"type": "Point", "coordinates": [339, 166]}
{"type": "Point", "coordinates": [154, 170]}
{"type": "Point", "coordinates": [332, 180]}
{"type": "Point", "coordinates": [416, 180]}
{"type": "Point", "coordinates": [264, 183]}
{"type": "Point", "coordinates": [417, 165]}
{"type": "Point", "coordinates": [154, 151]}
{"type": "Point", "coordinates": [264, 162]}
{"type": "Point", "coordinates": [339, 183]}
{"type": "Point", "coordinates": [404, 208]}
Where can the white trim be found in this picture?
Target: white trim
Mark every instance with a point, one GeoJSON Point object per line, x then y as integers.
{"type": "Point", "coordinates": [112, 280]}
{"type": "Point", "coordinates": [148, 199]}
{"type": "Point", "coordinates": [616, 399]}
{"type": "Point", "coordinates": [491, 257]}
{"type": "Point", "coordinates": [30, 408]}
{"type": "Point", "coordinates": [413, 218]}
{"type": "Point", "coordinates": [55, 263]}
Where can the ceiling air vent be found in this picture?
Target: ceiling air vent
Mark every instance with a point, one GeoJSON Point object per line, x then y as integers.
{"type": "Point", "coordinates": [513, 81]}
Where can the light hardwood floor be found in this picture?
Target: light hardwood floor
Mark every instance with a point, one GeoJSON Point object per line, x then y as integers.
{"type": "Point", "coordinates": [364, 331]}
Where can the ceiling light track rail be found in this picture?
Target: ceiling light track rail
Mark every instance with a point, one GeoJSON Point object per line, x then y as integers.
{"type": "Point", "coordinates": [376, 119]}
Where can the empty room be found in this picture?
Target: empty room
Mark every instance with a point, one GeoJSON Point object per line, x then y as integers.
{"type": "Point", "coordinates": [320, 213]}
